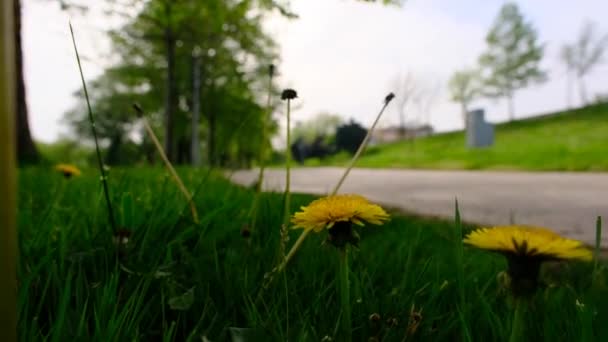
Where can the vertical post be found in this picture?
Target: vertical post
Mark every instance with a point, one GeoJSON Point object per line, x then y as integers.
{"type": "Point", "coordinates": [196, 106]}
{"type": "Point", "coordinates": [8, 235]}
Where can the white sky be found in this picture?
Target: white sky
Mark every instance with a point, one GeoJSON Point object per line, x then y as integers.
{"type": "Point", "coordinates": [340, 55]}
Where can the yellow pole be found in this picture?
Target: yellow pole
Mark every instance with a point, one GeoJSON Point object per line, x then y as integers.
{"type": "Point", "coordinates": [8, 209]}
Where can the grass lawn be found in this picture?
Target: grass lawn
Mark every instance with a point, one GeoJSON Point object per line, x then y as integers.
{"type": "Point", "coordinates": [572, 141]}
{"type": "Point", "coordinates": [180, 281]}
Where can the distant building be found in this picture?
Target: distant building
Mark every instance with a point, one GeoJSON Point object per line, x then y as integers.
{"type": "Point", "coordinates": [395, 133]}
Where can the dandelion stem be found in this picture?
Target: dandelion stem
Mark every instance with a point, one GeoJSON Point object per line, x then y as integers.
{"type": "Point", "coordinates": [345, 317]}
{"type": "Point", "coordinates": [168, 165]}
{"type": "Point", "coordinates": [288, 167]}
{"type": "Point", "coordinates": [364, 143]}
{"type": "Point", "coordinates": [296, 245]}
{"type": "Point", "coordinates": [517, 326]}
{"type": "Point", "coordinates": [92, 121]}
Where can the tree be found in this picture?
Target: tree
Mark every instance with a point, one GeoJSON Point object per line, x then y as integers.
{"type": "Point", "coordinates": [349, 136]}
{"type": "Point", "coordinates": [425, 99]}
{"type": "Point", "coordinates": [512, 59]}
{"type": "Point", "coordinates": [583, 55]}
{"type": "Point", "coordinates": [323, 124]}
{"type": "Point", "coordinates": [405, 88]}
{"type": "Point", "coordinates": [463, 89]}
{"type": "Point", "coordinates": [26, 149]}
{"type": "Point", "coordinates": [234, 56]}
{"type": "Point", "coordinates": [27, 152]}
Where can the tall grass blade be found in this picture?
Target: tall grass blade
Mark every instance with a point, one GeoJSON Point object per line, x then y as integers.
{"type": "Point", "coordinates": [460, 272]}
{"type": "Point", "coordinates": [94, 130]}
{"type": "Point", "coordinates": [598, 243]}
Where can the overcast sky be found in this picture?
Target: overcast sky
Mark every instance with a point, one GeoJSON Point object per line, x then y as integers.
{"type": "Point", "coordinates": [340, 55]}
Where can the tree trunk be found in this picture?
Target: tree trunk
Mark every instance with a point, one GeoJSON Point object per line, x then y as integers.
{"type": "Point", "coordinates": [569, 89]}
{"type": "Point", "coordinates": [582, 89]}
{"type": "Point", "coordinates": [464, 111]}
{"type": "Point", "coordinates": [26, 150]}
{"type": "Point", "coordinates": [196, 97]}
{"type": "Point", "coordinates": [211, 138]}
{"type": "Point", "coordinates": [511, 107]}
{"type": "Point", "coordinates": [171, 91]}
{"type": "Point", "coordinates": [401, 123]}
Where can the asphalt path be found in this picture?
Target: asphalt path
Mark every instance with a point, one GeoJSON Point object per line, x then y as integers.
{"type": "Point", "coordinates": [569, 203]}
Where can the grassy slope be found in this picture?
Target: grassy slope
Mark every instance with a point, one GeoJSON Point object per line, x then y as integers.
{"type": "Point", "coordinates": [181, 281]}
{"type": "Point", "coordinates": [574, 141]}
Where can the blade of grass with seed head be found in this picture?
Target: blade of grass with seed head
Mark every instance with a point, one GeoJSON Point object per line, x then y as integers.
{"type": "Point", "coordinates": [262, 156]}
{"type": "Point", "coordinates": [104, 180]}
{"type": "Point", "coordinates": [288, 94]}
{"type": "Point", "coordinates": [362, 146]}
{"type": "Point", "coordinates": [168, 165]}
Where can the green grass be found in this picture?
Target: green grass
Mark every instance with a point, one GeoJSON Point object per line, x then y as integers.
{"type": "Point", "coordinates": [179, 281]}
{"type": "Point", "coordinates": [572, 141]}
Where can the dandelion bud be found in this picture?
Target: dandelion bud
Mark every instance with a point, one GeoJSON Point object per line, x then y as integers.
{"type": "Point", "coordinates": [288, 94]}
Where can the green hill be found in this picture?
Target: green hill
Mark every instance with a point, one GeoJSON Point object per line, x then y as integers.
{"type": "Point", "coordinates": [574, 140]}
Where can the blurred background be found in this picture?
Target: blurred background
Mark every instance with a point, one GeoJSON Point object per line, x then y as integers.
{"type": "Point", "coordinates": [204, 64]}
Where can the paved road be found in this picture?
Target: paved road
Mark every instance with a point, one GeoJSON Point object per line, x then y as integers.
{"type": "Point", "coordinates": [567, 202]}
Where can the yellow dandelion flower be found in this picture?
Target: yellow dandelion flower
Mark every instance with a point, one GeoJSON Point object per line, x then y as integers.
{"type": "Point", "coordinates": [337, 213]}
{"type": "Point", "coordinates": [67, 170]}
{"type": "Point", "coordinates": [528, 241]}
{"type": "Point", "coordinates": [526, 248]}
{"type": "Point", "coordinates": [327, 211]}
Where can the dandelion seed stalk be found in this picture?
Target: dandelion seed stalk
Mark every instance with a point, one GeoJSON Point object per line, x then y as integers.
{"type": "Point", "coordinates": [94, 130]}
{"type": "Point", "coordinates": [298, 243]}
{"type": "Point", "coordinates": [288, 94]}
{"type": "Point", "coordinates": [167, 163]}
{"type": "Point", "coordinates": [363, 144]}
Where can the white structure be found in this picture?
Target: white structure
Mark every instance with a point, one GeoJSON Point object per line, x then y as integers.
{"type": "Point", "coordinates": [479, 132]}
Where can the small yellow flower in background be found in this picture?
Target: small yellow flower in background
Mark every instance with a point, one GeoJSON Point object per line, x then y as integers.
{"type": "Point", "coordinates": [68, 170]}
{"type": "Point", "coordinates": [337, 213]}
{"type": "Point", "coordinates": [525, 248]}
{"type": "Point", "coordinates": [327, 211]}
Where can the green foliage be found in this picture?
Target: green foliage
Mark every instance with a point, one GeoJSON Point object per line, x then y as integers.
{"type": "Point", "coordinates": [321, 125]}
{"type": "Point", "coordinates": [513, 55]}
{"type": "Point", "coordinates": [234, 52]}
{"type": "Point", "coordinates": [349, 136]}
{"type": "Point", "coordinates": [571, 140]}
{"type": "Point", "coordinates": [585, 54]}
{"type": "Point", "coordinates": [66, 151]}
{"type": "Point", "coordinates": [463, 86]}
{"type": "Point", "coordinates": [179, 281]}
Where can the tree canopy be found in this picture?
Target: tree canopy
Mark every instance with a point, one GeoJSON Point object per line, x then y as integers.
{"type": "Point", "coordinates": [512, 58]}
{"type": "Point", "coordinates": [153, 54]}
